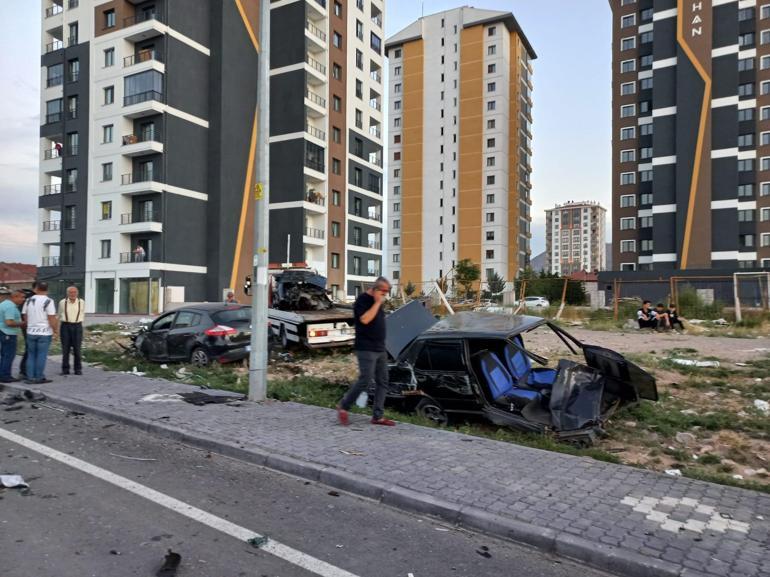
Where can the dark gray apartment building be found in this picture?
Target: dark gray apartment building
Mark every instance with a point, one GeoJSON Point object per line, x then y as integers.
{"type": "Point", "coordinates": [691, 135]}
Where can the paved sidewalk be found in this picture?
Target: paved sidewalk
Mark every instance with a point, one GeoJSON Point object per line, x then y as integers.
{"type": "Point", "coordinates": [626, 520]}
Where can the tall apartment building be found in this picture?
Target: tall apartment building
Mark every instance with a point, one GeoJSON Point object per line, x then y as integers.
{"type": "Point", "coordinates": [691, 134]}
{"type": "Point", "coordinates": [575, 238]}
{"type": "Point", "coordinates": [459, 145]}
{"type": "Point", "coordinates": [147, 117]}
{"type": "Point", "coordinates": [326, 138]}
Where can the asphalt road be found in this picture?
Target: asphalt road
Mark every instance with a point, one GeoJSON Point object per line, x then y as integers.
{"type": "Point", "coordinates": [71, 523]}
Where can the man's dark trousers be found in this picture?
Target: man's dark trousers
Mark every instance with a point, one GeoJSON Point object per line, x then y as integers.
{"type": "Point", "coordinates": [71, 339]}
{"type": "Point", "coordinates": [373, 366]}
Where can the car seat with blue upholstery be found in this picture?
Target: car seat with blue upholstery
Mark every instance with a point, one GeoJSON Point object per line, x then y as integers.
{"type": "Point", "coordinates": [501, 384]}
{"type": "Point", "coordinates": [520, 366]}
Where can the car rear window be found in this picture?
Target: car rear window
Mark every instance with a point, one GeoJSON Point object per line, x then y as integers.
{"type": "Point", "coordinates": [242, 314]}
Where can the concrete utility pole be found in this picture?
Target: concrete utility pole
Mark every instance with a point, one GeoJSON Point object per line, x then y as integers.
{"type": "Point", "coordinates": [258, 356]}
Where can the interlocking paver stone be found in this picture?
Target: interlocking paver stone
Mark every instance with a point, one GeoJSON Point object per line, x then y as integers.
{"type": "Point", "coordinates": [606, 513]}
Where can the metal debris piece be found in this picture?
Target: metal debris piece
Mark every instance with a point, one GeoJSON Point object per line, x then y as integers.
{"type": "Point", "coordinates": [160, 398]}
{"type": "Point", "coordinates": [694, 363]}
{"type": "Point", "coordinates": [170, 564]}
{"type": "Point", "coordinates": [259, 541]}
{"type": "Point", "coordinates": [132, 458]}
{"type": "Point", "coordinates": [352, 453]}
{"type": "Point", "coordinates": [673, 472]}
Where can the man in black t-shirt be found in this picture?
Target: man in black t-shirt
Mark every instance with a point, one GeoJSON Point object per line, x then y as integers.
{"type": "Point", "coordinates": [370, 351]}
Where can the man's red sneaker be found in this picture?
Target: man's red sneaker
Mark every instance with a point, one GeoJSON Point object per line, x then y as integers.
{"type": "Point", "coordinates": [384, 421]}
{"type": "Point", "coordinates": [342, 415]}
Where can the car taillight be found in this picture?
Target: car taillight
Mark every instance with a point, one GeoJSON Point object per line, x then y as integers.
{"type": "Point", "coordinates": [220, 331]}
{"type": "Point", "coordinates": [318, 333]}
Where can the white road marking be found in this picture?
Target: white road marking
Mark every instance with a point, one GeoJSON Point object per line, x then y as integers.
{"type": "Point", "coordinates": [275, 548]}
{"type": "Point", "coordinates": [648, 506]}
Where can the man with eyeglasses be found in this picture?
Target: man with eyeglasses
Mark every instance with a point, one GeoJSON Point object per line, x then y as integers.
{"type": "Point", "coordinates": [370, 351]}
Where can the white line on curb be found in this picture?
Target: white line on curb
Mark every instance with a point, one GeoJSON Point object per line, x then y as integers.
{"type": "Point", "coordinates": [275, 548]}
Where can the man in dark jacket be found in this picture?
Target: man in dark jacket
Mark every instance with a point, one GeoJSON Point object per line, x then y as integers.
{"type": "Point", "coordinates": [370, 351]}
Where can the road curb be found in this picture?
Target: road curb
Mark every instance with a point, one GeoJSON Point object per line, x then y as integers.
{"type": "Point", "coordinates": [618, 561]}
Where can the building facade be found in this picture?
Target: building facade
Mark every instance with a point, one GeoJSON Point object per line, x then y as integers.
{"type": "Point", "coordinates": [326, 139]}
{"type": "Point", "coordinates": [575, 238]}
{"type": "Point", "coordinates": [147, 116]}
{"type": "Point", "coordinates": [459, 145]}
{"type": "Point", "coordinates": [691, 134]}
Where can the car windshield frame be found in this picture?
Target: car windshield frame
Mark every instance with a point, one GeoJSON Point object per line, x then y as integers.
{"type": "Point", "coordinates": [239, 314]}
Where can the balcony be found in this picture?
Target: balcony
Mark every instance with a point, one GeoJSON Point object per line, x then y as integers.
{"type": "Point", "coordinates": [365, 243]}
{"type": "Point", "coordinates": [54, 46]}
{"type": "Point", "coordinates": [140, 182]}
{"type": "Point", "coordinates": [316, 8]}
{"type": "Point", "coordinates": [375, 103]}
{"type": "Point", "coordinates": [315, 104]}
{"type": "Point", "coordinates": [375, 131]}
{"type": "Point", "coordinates": [50, 261]}
{"type": "Point", "coordinates": [317, 37]}
{"type": "Point", "coordinates": [314, 164]}
{"type": "Point", "coordinates": [49, 189]}
{"type": "Point", "coordinates": [143, 25]}
{"type": "Point", "coordinates": [142, 104]}
{"type": "Point", "coordinates": [377, 20]}
{"type": "Point", "coordinates": [142, 56]}
{"type": "Point", "coordinates": [318, 70]}
{"type": "Point", "coordinates": [313, 236]}
{"type": "Point", "coordinates": [53, 117]}
{"type": "Point", "coordinates": [52, 81]}
{"type": "Point", "coordinates": [51, 225]}
{"type": "Point", "coordinates": [315, 201]}
{"type": "Point", "coordinates": [135, 177]}
{"type": "Point", "coordinates": [133, 257]}
{"type": "Point", "coordinates": [51, 162]}
{"type": "Point", "coordinates": [315, 132]}
{"type": "Point", "coordinates": [51, 153]}
{"type": "Point", "coordinates": [376, 75]}
{"type": "Point", "coordinates": [141, 144]}
{"type": "Point", "coordinates": [53, 10]}
{"type": "Point", "coordinates": [141, 221]}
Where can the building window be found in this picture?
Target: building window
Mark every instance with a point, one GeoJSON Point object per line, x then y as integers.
{"type": "Point", "coordinates": [336, 197]}
{"type": "Point", "coordinates": [335, 229]}
{"type": "Point", "coordinates": [359, 89]}
{"type": "Point", "coordinates": [106, 171]}
{"type": "Point", "coordinates": [645, 129]}
{"type": "Point", "coordinates": [645, 83]}
{"type": "Point", "coordinates": [627, 200]}
{"type": "Point", "coordinates": [491, 124]}
{"type": "Point", "coordinates": [396, 223]}
{"type": "Point", "coordinates": [490, 217]}
{"type": "Point", "coordinates": [645, 222]}
{"type": "Point", "coordinates": [627, 266]}
{"type": "Point", "coordinates": [109, 57]}
{"type": "Point", "coordinates": [491, 68]}
{"type": "Point", "coordinates": [396, 190]}
{"type": "Point", "coordinates": [336, 71]}
{"type": "Point", "coordinates": [490, 142]}
{"type": "Point", "coordinates": [107, 134]}
{"type": "Point", "coordinates": [336, 103]}
{"type": "Point", "coordinates": [106, 248]}
{"type": "Point", "coordinates": [359, 119]}
{"type": "Point", "coordinates": [490, 160]}
{"type": "Point", "coordinates": [627, 246]}
{"type": "Point", "coordinates": [764, 189]}
{"type": "Point", "coordinates": [109, 94]}
{"type": "Point", "coordinates": [646, 61]}
{"type": "Point", "coordinates": [645, 175]}
{"type": "Point", "coordinates": [628, 155]}
{"type": "Point", "coordinates": [337, 40]}
{"type": "Point", "coordinates": [396, 173]}
{"type": "Point", "coordinates": [745, 64]}
{"type": "Point", "coordinates": [746, 139]}
{"type": "Point", "coordinates": [645, 153]}
{"type": "Point", "coordinates": [336, 166]}
{"type": "Point", "coordinates": [746, 215]}
{"type": "Point", "coordinates": [745, 165]}
{"type": "Point", "coordinates": [336, 135]}
{"type": "Point", "coordinates": [490, 235]}
{"type": "Point", "coordinates": [359, 59]}
{"type": "Point", "coordinates": [746, 240]}
{"type": "Point", "coordinates": [645, 38]}
{"type": "Point", "coordinates": [106, 210]}
{"type": "Point", "coordinates": [627, 88]}
{"type": "Point", "coordinates": [745, 114]}
{"type": "Point", "coordinates": [491, 31]}
{"type": "Point", "coordinates": [748, 39]}
{"type": "Point", "coordinates": [745, 14]}
{"type": "Point", "coordinates": [491, 105]}
{"type": "Point", "coordinates": [628, 20]}
{"type": "Point", "coordinates": [764, 214]}
{"type": "Point", "coordinates": [491, 50]}
{"type": "Point", "coordinates": [628, 43]}
{"type": "Point", "coordinates": [646, 15]}
{"type": "Point", "coordinates": [490, 199]}
{"type": "Point", "coordinates": [745, 190]}
{"type": "Point", "coordinates": [627, 133]}
{"type": "Point", "coordinates": [397, 155]}
{"type": "Point", "coordinates": [335, 260]}
{"type": "Point", "coordinates": [337, 9]}
{"type": "Point", "coordinates": [491, 86]}
{"type": "Point", "coordinates": [627, 223]}
{"type": "Point", "coordinates": [646, 245]}
{"type": "Point", "coordinates": [628, 66]}
{"type": "Point", "coordinates": [490, 180]}
{"type": "Point", "coordinates": [627, 178]}
{"type": "Point", "coordinates": [627, 110]}
{"type": "Point", "coordinates": [109, 18]}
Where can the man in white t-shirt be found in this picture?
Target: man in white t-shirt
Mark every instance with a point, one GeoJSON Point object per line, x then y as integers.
{"type": "Point", "coordinates": [39, 313]}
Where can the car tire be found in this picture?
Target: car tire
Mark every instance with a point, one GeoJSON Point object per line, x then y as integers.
{"type": "Point", "coordinates": [200, 357]}
{"type": "Point", "coordinates": [433, 411]}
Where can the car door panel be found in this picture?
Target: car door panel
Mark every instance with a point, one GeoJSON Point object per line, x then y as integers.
{"type": "Point", "coordinates": [182, 336]}
{"type": "Point", "coordinates": [157, 349]}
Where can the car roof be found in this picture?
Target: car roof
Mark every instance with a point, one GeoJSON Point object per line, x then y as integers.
{"type": "Point", "coordinates": [210, 307]}
{"type": "Point", "coordinates": [475, 324]}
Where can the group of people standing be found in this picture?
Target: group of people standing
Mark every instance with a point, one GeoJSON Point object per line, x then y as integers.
{"type": "Point", "coordinates": [659, 318]}
{"type": "Point", "coordinates": [33, 316]}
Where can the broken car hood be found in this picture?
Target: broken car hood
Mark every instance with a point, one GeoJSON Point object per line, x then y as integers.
{"type": "Point", "coordinates": [406, 324]}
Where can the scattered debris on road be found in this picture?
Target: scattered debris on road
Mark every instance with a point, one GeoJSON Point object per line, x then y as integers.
{"type": "Point", "coordinates": [259, 541]}
{"type": "Point", "coordinates": [13, 482]}
{"type": "Point", "coordinates": [170, 565]}
{"type": "Point", "coordinates": [213, 397]}
{"type": "Point", "coordinates": [694, 363]}
{"type": "Point", "coordinates": [131, 458]}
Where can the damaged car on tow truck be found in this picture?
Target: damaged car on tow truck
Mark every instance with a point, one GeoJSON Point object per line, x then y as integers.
{"type": "Point", "coordinates": [476, 364]}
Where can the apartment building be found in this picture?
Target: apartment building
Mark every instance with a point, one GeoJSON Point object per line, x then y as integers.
{"type": "Point", "coordinates": [575, 238]}
{"type": "Point", "coordinates": [326, 139]}
{"type": "Point", "coordinates": [147, 127]}
{"type": "Point", "coordinates": [691, 134]}
{"type": "Point", "coordinates": [459, 145]}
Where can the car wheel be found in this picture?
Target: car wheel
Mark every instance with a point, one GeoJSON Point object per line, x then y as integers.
{"type": "Point", "coordinates": [431, 410]}
{"type": "Point", "coordinates": [199, 357]}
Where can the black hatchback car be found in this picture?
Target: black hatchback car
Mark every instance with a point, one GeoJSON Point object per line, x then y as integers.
{"type": "Point", "coordinates": [475, 363]}
{"type": "Point", "coordinates": [199, 334]}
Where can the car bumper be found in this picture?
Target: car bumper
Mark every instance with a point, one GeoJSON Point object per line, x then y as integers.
{"type": "Point", "coordinates": [234, 355]}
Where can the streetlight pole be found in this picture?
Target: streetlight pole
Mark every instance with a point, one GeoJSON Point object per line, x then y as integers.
{"type": "Point", "coordinates": [258, 355]}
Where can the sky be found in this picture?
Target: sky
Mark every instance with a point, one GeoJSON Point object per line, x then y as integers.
{"type": "Point", "coordinates": [572, 114]}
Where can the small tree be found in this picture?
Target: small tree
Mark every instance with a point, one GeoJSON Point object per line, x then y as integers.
{"type": "Point", "coordinates": [495, 283]}
{"type": "Point", "coordinates": [466, 273]}
{"type": "Point", "coordinates": [409, 289]}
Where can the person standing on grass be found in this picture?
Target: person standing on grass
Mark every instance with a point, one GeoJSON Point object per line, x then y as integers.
{"type": "Point", "coordinates": [39, 313]}
{"type": "Point", "coordinates": [72, 313]}
{"type": "Point", "coordinates": [370, 351]}
{"type": "Point", "coordinates": [10, 329]}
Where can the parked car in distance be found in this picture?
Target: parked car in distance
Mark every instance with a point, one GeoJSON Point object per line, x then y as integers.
{"type": "Point", "coordinates": [200, 334]}
{"type": "Point", "coordinates": [477, 365]}
{"type": "Point", "coordinates": [536, 302]}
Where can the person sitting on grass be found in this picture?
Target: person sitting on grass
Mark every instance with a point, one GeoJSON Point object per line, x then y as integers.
{"type": "Point", "coordinates": [673, 317]}
{"type": "Point", "coordinates": [661, 315]}
{"type": "Point", "coordinates": [645, 316]}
